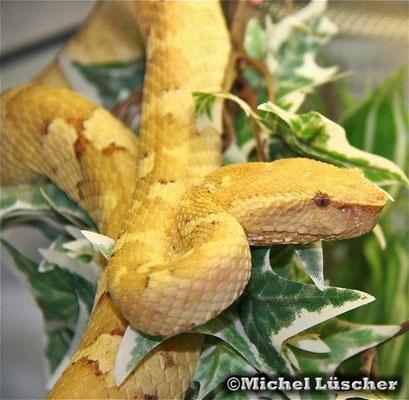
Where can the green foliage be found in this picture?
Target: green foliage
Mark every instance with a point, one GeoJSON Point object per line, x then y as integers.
{"type": "Point", "coordinates": [113, 81]}
{"type": "Point", "coordinates": [63, 284]}
{"type": "Point", "coordinates": [57, 301]}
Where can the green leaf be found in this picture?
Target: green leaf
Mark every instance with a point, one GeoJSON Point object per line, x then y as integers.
{"type": "Point", "coordinates": [314, 135]}
{"type": "Point", "coordinates": [56, 300]}
{"type": "Point", "coordinates": [82, 276]}
{"type": "Point", "coordinates": [258, 351]}
{"type": "Point", "coordinates": [215, 365]}
{"type": "Point", "coordinates": [293, 44]}
{"type": "Point", "coordinates": [255, 39]}
{"type": "Point", "coordinates": [63, 205]}
{"type": "Point", "coordinates": [106, 83]}
{"type": "Point", "coordinates": [380, 124]}
{"type": "Point", "coordinates": [272, 310]}
{"type": "Point", "coordinates": [312, 259]}
{"type": "Point", "coordinates": [134, 346]}
{"type": "Point", "coordinates": [309, 342]}
{"type": "Point", "coordinates": [72, 345]}
{"type": "Point", "coordinates": [27, 199]}
{"type": "Point", "coordinates": [102, 243]}
{"type": "Point", "coordinates": [204, 104]}
{"type": "Point", "coordinates": [344, 340]}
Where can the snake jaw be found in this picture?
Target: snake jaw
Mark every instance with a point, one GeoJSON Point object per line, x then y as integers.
{"type": "Point", "coordinates": [362, 220]}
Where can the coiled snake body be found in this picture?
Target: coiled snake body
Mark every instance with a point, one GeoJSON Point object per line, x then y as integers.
{"type": "Point", "coordinates": [182, 225]}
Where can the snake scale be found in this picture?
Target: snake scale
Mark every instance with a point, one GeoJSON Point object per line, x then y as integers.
{"type": "Point", "coordinates": [183, 224]}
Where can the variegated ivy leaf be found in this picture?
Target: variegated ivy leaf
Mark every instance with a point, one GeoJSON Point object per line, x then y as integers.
{"type": "Point", "coordinates": [205, 100]}
{"type": "Point", "coordinates": [314, 135]}
{"type": "Point", "coordinates": [56, 245]}
{"type": "Point", "coordinates": [309, 342]}
{"type": "Point", "coordinates": [74, 342]}
{"type": "Point", "coordinates": [255, 39]}
{"type": "Point", "coordinates": [106, 83]}
{"type": "Point", "coordinates": [258, 351]}
{"type": "Point", "coordinates": [82, 276]}
{"type": "Point", "coordinates": [208, 110]}
{"type": "Point", "coordinates": [57, 301]}
{"type": "Point", "coordinates": [273, 309]}
{"type": "Point", "coordinates": [207, 106]}
{"type": "Point", "coordinates": [64, 206]}
{"type": "Point", "coordinates": [289, 48]}
{"type": "Point", "coordinates": [215, 365]}
{"type": "Point", "coordinates": [103, 244]}
{"type": "Point", "coordinates": [79, 248]}
{"type": "Point", "coordinates": [293, 44]}
{"type": "Point", "coordinates": [26, 199]}
{"type": "Point", "coordinates": [312, 259]}
{"type": "Point", "coordinates": [43, 200]}
{"type": "Point", "coordinates": [344, 340]}
{"type": "Point", "coordinates": [134, 346]}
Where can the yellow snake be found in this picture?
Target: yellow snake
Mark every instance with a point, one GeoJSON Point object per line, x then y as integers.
{"type": "Point", "coordinates": [183, 225]}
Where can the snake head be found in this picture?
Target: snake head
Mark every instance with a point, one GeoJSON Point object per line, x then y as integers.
{"type": "Point", "coordinates": [299, 200]}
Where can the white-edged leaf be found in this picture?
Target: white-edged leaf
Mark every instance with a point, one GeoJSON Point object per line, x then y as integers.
{"type": "Point", "coordinates": [56, 299]}
{"type": "Point", "coordinates": [81, 325]}
{"type": "Point", "coordinates": [209, 98]}
{"type": "Point", "coordinates": [80, 247]}
{"type": "Point", "coordinates": [312, 259]}
{"type": "Point", "coordinates": [74, 232]}
{"type": "Point", "coordinates": [309, 342]}
{"type": "Point", "coordinates": [132, 349]}
{"type": "Point", "coordinates": [317, 136]}
{"type": "Point", "coordinates": [103, 244]}
{"type": "Point", "coordinates": [208, 112]}
{"type": "Point", "coordinates": [272, 310]}
{"type": "Point", "coordinates": [64, 206]}
{"type": "Point", "coordinates": [344, 339]}
{"type": "Point", "coordinates": [88, 271]}
{"type": "Point", "coordinates": [26, 199]}
{"type": "Point", "coordinates": [291, 358]}
{"type": "Point", "coordinates": [216, 364]}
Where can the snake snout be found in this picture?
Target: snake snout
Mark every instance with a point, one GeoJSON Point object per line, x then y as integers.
{"type": "Point", "coordinates": [361, 219]}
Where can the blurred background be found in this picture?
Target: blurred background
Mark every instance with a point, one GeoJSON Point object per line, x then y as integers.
{"type": "Point", "coordinates": [373, 43]}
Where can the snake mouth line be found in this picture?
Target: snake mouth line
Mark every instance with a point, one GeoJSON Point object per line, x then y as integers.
{"type": "Point", "coordinates": [368, 223]}
{"type": "Point", "coordinates": [365, 223]}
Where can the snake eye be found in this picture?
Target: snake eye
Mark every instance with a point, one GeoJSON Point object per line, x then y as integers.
{"type": "Point", "coordinates": [321, 200]}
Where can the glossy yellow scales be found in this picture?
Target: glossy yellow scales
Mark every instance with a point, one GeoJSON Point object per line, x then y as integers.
{"type": "Point", "coordinates": [183, 225]}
